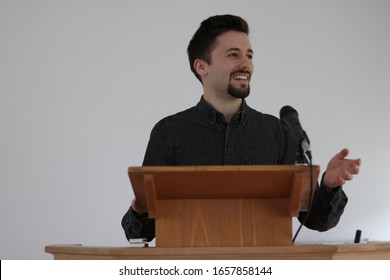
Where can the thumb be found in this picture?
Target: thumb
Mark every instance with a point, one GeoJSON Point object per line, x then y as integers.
{"type": "Point", "coordinates": [343, 153]}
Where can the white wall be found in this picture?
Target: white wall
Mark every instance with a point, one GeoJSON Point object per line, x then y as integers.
{"type": "Point", "coordinates": [82, 83]}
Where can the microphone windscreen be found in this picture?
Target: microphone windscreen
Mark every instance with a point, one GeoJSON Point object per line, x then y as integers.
{"type": "Point", "coordinates": [286, 110]}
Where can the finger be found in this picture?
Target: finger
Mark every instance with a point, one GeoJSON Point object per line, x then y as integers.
{"type": "Point", "coordinates": [134, 205]}
{"type": "Point", "coordinates": [354, 166]}
{"type": "Point", "coordinates": [355, 169]}
{"type": "Point", "coordinates": [346, 175]}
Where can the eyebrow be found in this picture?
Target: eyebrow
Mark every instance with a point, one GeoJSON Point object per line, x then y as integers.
{"type": "Point", "coordinates": [238, 49]}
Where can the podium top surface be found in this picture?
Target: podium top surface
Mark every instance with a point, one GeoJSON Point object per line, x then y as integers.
{"type": "Point", "coordinates": [227, 181]}
{"type": "Point", "coordinates": [219, 168]}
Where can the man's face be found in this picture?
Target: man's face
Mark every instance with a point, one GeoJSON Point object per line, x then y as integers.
{"type": "Point", "coordinates": [231, 66]}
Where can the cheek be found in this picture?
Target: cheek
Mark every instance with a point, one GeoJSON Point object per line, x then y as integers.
{"type": "Point", "coordinates": [221, 73]}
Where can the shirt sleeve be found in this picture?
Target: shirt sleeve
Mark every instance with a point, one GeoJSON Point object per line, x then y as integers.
{"type": "Point", "coordinates": [326, 209]}
{"type": "Point", "coordinates": [138, 225]}
{"type": "Point", "coordinates": [158, 151]}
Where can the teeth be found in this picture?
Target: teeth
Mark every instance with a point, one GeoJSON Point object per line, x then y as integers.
{"type": "Point", "coordinates": [240, 77]}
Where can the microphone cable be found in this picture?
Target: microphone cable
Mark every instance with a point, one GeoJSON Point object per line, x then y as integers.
{"type": "Point", "coordinates": [309, 160]}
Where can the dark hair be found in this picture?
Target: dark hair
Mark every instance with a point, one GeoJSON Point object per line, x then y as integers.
{"type": "Point", "coordinates": [202, 42]}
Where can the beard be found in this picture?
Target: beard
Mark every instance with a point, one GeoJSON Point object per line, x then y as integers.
{"type": "Point", "coordinates": [242, 92]}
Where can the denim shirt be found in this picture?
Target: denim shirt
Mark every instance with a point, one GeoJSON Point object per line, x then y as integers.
{"type": "Point", "coordinates": [201, 136]}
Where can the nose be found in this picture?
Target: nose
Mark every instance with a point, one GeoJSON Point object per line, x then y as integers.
{"type": "Point", "coordinates": [246, 64]}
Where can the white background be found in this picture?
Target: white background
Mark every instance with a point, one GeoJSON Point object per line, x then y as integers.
{"type": "Point", "coordinates": [193, 269]}
{"type": "Point", "coordinates": [82, 83]}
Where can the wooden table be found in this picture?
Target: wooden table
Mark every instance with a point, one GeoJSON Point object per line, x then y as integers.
{"type": "Point", "coordinates": [296, 252]}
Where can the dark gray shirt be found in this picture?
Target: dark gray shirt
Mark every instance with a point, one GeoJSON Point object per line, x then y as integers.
{"type": "Point", "coordinates": [201, 136]}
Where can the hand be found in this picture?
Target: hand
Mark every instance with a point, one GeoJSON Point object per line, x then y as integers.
{"type": "Point", "coordinates": [340, 169]}
{"type": "Point", "coordinates": [135, 206]}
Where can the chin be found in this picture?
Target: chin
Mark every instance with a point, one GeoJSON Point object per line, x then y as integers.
{"type": "Point", "coordinates": [242, 92]}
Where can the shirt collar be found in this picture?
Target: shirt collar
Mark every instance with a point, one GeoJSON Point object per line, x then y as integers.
{"type": "Point", "coordinates": [213, 115]}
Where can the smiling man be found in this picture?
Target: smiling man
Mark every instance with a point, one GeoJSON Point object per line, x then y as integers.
{"type": "Point", "coordinates": [222, 129]}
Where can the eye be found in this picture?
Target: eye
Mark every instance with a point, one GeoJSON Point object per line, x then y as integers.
{"type": "Point", "coordinates": [233, 54]}
{"type": "Point", "coordinates": [250, 56]}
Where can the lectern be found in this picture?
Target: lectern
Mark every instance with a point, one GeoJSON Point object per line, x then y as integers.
{"type": "Point", "coordinates": [223, 206]}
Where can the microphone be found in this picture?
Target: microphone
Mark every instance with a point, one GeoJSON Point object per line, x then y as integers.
{"type": "Point", "coordinates": [289, 117]}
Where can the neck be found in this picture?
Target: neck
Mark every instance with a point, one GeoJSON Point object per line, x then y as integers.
{"type": "Point", "coordinates": [226, 106]}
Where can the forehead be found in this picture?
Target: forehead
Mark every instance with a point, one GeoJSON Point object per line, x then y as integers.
{"type": "Point", "coordinates": [233, 39]}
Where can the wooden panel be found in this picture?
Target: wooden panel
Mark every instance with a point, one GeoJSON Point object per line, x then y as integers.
{"type": "Point", "coordinates": [223, 222]}
{"type": "Point", "coordinates": [151, 197]}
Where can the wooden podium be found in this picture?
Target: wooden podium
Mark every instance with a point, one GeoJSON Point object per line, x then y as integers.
{"type": "Point", "coordinates": [223, 206]}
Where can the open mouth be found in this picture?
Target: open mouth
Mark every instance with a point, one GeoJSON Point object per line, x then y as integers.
{"type": "Point", "coordinates": [241, 76]}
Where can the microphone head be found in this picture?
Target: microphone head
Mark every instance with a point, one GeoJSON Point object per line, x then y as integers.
{"type": "Point", "coordinates": [286, 110]}
{"type": "Point", "coordinates": [289, 118]}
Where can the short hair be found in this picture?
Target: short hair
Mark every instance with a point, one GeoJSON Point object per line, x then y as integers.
{"type": "Point", "coordinates": [202, 43]}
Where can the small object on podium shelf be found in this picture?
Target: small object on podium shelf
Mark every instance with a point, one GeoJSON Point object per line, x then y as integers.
{"type": "Point", "coordinates": [357, 236]}
{"type": "Point", "coordinates": [138, 242]}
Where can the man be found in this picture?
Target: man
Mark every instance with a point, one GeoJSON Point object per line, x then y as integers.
{"type": "Point", "coordinates": [222, 129]}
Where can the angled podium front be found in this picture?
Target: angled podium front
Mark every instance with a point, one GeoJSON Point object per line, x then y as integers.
{"type": "Point", "coordinates": [223, 206]}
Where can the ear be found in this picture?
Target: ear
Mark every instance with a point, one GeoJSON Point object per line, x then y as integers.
{"type": "Point", "coordinates": [201, 67]}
